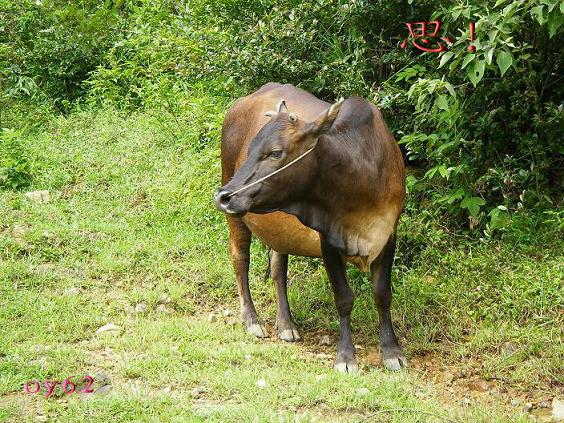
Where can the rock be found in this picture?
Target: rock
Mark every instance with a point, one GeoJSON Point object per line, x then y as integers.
{"type": "Point", "coordinates": [515, 403]}
{"type": "Point", "coordinates": [161, 308]}
{"type": "Point", "coordinates": [261, 383]}
{"type": "Point", "coordinates": [363, 391]}
{"type": "Point", "coordinates": [466, 401]}
{"type": "Point", "coordinates": [448, 378]}
{"type": "Point", "coordinates": [226, 312]}
{"type": "Point", "coordinates": [557, 410]}
{"type": "Point", "coordinates": [103, 390]}
{"type": "Point", "coordinates": [325, 341]}
{"type": "Point", "coordinates": [323, 356]}
{"type": "Point", "coordinates": [212, 317]}
{"type": "Point", "coordinates": [478, 385]}
{"type": "Point", "coordinates": [527, 407]}
{"type": "Point", "coordinates": [198, 391]}
{"type": "Point", "coordinates": [248, 357]}
{"type": "Point", "coordinates": [38, 196]}
{"type": "Point", "coordinates": [544, 404]}
{"type": "Point", "coordinates": [72, 291]}
{"type": "Point", "coordinates": [141, 308]}
{"type": "Point", "coordinates": [167, 389]}
{"type": "Point", "coordinates": [320, 377]}
{"type": "Point", "coordinates": [164, 299]}
{"type": "Point", "coordinates": [110, 327]}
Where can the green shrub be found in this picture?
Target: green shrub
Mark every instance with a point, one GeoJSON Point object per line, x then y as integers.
{"type": "Point", "coordinates": [16, 170]}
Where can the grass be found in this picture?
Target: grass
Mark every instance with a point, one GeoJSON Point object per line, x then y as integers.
{"type": "Point", "coordinates": [130, 221]}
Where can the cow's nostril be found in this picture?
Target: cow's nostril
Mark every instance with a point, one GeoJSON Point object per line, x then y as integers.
{"type": "Point", "coordinates": [221, 200]}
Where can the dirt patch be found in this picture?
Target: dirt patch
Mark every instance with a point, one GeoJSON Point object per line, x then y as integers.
{"type": "Point", "coordinates": [460, 383]}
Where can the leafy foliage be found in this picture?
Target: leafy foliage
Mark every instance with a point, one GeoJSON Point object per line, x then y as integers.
{"type": "Point", "coordinates": [16, 170]}
{"type": "Point", "coordinates": [482, 129]}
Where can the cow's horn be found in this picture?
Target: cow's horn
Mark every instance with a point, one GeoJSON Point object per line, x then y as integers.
{"type": "Point", "coordinates": [336, 106]}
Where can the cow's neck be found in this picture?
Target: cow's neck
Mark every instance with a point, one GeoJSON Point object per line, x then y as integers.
{"type": "Point", "coordinates": [339, 201]}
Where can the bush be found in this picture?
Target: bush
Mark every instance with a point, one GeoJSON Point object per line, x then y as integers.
{"type": "Point", "coordinates": [482, 129]}
{"type": "Point", "coordinates": [16, 170]}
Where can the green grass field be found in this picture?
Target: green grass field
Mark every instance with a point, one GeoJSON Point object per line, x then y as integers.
{"type": "Point", "coordinates": [130, 221]}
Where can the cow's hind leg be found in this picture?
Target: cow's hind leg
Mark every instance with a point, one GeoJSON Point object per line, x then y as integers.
{"type": "Point", "coordinates": [381, 269]}
{"type": "Point", "coordinates": [344, 299]}
{"type": "Point", "coordinates": [239, 248]}
{"type": "Point", "coordinates": [285, 325]}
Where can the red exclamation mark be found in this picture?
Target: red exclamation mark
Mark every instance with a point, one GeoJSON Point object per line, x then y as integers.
{"type": "Point", "coordinates": [472, 27]}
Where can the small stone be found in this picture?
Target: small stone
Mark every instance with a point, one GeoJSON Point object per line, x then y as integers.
{"type": "Point", "coordinates": [527, 407]}
{"type": "Point", "coordinates": [322, 356]}
{"type": "Point", "coordinates": [198, 391]}
{"type": "Point", "coordinates": [363, 391]}
{"type": "Point", "coordinates": [557, 410]}
{"type": "Point", "coordinates": [515, 403]}
{"type": "Point", "coordinates": [38, 196]}
{"type": "Point", "coordinates": [110, 327]}
{"type": "Point", "coordinates": [72, 291]}
{"type": "Point", "coordinates": [466, 401]}
{"type": "Point", "coordinates": [140, 308]}
{"type": "Point", "coordinates": [164, 299]}
{"type": "Point", "coordinates": [248, 357]}
{"type": "Point", "coordinates": [320, 377]}
{"type": "Point", "coordinates": [167, 389]}
{"type": "Point", "coordinates": [325, 341]}
{"type": "Point", "coordinates": [544, 404]}
{"type": "Point", "coordinates": [261, 383]}
{"type": "Point", "coordinates": [212, 318]}
{"type": "Point", "coordinates": [103, 390]}
{"type": "Point", "coordinates": [226, 312]}
{"type": "Point", "coordinates": [359, 347]}
{"type": "Point", "coordinates": [161, 308]}
{"type": "Point", "coordinates": [448, 378]}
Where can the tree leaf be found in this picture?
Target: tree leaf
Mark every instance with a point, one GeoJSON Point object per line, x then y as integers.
{"type": "Point", "coordinates": [445, 58]}
{"type": "Point", "coordinates": [537, 12]}
{"type": "Point", "coordinates": [467, 60]}
{"type": "Point", "coordinates": [442, 102]}
{"type": "Point", "coordinates": [476, 71]}
{"type": "Point", "coordinates": [489, 56]}
{"type": "Point", "coordinates": [472, 204]}
{"type": "Point", "coordinates": [504, 60]}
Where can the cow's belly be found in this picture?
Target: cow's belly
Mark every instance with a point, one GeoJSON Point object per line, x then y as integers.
{"type": "Point", "coordinates": [284, 233]}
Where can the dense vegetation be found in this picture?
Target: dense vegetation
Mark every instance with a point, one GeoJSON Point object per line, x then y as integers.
{"type": "Point", "coordinates": [115, 107]}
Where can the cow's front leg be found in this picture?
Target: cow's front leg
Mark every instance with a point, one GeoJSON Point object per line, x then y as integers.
{"type": "Point", "coordinates": [381, 269]}
{"type": "Point", "coordinates": [239, 248]}
{"type": "Point", "coordinates": [285, 325]}
{"type": "Point", "coordinates": [344, 299]}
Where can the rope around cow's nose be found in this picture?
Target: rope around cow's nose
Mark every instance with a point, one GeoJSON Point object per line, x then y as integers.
{"type": "Point", "coordinates": [244, 187]}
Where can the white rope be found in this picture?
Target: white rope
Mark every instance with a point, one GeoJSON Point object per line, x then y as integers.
{"type": "Point", "coordinates": [271, 174]}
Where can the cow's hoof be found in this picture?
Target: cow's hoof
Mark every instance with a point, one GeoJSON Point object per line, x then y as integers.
{"type": "Point", "coordinates": [289, 335]}
{"type": "Point", "coordinates": [394, 360]}
{"type": "Point", "coordinates": [346, 366]}
{"type": "Point", "coordinates": [257, 330]}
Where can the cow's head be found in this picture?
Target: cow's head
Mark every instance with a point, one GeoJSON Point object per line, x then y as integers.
{"type": "Point", "coordinates": [282, 140]}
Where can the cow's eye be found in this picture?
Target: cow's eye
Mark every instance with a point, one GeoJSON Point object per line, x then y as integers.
{"type": "Point", "coordinates": [275, 154]}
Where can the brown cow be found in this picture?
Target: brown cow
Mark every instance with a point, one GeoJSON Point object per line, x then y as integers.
{"type": "Point", "coordinates": [323, 181]}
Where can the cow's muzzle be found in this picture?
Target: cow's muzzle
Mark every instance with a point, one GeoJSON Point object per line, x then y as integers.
{"type": "Point", "coordinates": [222, 200]}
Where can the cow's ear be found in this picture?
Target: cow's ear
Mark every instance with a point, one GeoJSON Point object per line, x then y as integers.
{"type": "Point", "coordinates": [325, 120]}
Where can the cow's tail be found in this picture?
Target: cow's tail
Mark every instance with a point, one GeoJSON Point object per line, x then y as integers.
{"type": "Point", "coordinates": [267, 273]}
